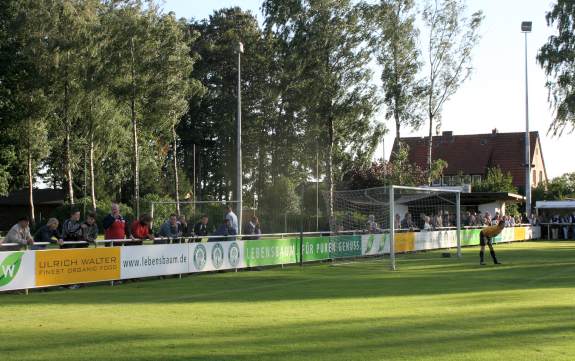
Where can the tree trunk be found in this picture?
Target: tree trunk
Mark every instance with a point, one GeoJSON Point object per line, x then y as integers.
{"type": "Point", "coordinates": [69, 166]}
{"type": "Point", "coordinates": [67, 156]}
{"type": "Point", "coordinates": [136, 159]}
{"type": "Point", "coordinates": [429, 150]}
{"type": "Point", "coordinates": [397, 128]}
{"type": "Point", "coordinates": [176, 180]}
{"type": "Point", "coordinates": [329, 167]}
{"type": "Point", "coordinates": [31, 189]}
{"type": "Point", "coordinates": [92, 181]}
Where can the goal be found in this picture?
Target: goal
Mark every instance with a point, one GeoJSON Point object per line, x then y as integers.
{"type": "Point", "coordinates": [400, 219]}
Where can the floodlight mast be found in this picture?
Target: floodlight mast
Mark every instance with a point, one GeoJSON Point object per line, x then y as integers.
{"type": "Point", "coordinates": [526, 27]}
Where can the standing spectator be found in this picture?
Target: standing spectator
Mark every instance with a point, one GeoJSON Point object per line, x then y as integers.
{"type": "Point", "coordinates": [72, 231]}
{"type": "Point", "coordinates": [225, 230]}
{"type": "Point", "coordinates": [232, 218]}
{"type": "Point", "coordinates": [253, 228]}
{"type": "Point", "coordinates": [141, 229]}
{"type": "Point", "coordinates": [555, 228]}
{"type": "Point", "coordinates": [47, 233]}
{"type": "Point", "coordinates": [407, 222]}
{"type": "Point", "coordinates": [427, 224]}
{"type": "Point", "coordinates": [397, 221]}
{"type": "Point", "coordinates": [201, 228]}
{"type": "Point", "coordinates": [572, 221]}
{"type": "Point", "coordinates": [565, 220]}
{"type": "Point", "coordinates": [90, 228]}
{"type": "Point", "coordinates": [169, 230]}
{"type": "Point", "coordinates": [115, 226]}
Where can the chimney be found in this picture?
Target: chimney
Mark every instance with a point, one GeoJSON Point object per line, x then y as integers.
{"type": "Point", "coordinates": [448, 134]}
{"type": "Point", "coordinates": [494, 131]}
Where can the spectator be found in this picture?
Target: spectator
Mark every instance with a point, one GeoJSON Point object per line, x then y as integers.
{"type": "Point", "coordinates": [555, 228]}
{"type": "Point", "coordinates": [253, 229]}
{"type": "Point", "coordinates": [115, 226]}
{"type": "Point", "coordinates": [565, 220]}
{"type": "Point", "coordinates": [72, 231]}
{"type": "Point", "coordinates": [184, 229]}
{"type": "Point", "coordinates": [232, 218]}
{"type": "Point", "coordinates": [169, 230]}
{"type": "Point", "coordinates": [572, 221]}
{"type": "Point", "coordinates": [47, 233]}
{"type": "Point", "coordinates": [201, 228]}
{"type": "Point", "coordinates": [141, 229]}
{"type": "Point", "coordinates": [90, 228]}
{"type": "Point", "coordinates": [427, 224]}
{"type": "Point", "coordinates": [397, 221]}
{"type": "Point", "coordinates": [407, 222]}
{"type": "Point", "coordinates": [224, 230]}
{"type": "Point", "coordinates": [471, 221]}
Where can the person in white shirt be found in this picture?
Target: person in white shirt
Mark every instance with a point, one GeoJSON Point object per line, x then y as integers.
{"type": "Point", "coordinates": [232, 218]}
{"type": "Point", "coordinates": [20, 233]}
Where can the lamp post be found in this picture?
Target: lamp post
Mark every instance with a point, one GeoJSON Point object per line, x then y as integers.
{"type": "Point", "coordinates": [525, 29]}
{"type": "Point", "coordinates": [240, 50]}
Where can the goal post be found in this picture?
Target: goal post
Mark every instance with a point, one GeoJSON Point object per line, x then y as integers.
{"type": "Point", "coordinates": [409, 219]}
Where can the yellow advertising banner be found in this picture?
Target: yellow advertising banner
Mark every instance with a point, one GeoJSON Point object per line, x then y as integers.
{"type": "Point", "coordinates": [70, 266]}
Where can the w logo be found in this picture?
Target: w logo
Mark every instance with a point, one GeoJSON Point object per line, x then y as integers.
{"type": "Point", "coordinates": [9, 267]}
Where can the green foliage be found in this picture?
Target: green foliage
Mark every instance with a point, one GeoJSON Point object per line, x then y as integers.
{"type": "Point", "coordinates": [396, 37]}
{"type": "Point", "coordinates": [281, 197]}
{"type": "Point", "coordinates": [559, 188]}
{"type": "Point", "coordinates": [495, 181]}
{"type": "Point", "coordinates": [451, 39]}
{"type": "Point", "coordinates": [398, 171]}
{"type": "Point", "coordinates": [557, 60]}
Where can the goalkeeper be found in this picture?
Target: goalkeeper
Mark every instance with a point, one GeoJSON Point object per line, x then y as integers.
{"type": "Point", "coordinates": [486, 237]}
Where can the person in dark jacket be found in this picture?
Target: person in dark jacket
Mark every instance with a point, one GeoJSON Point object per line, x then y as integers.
{"type": "Point", "coordinates": [90, 228]}
{"type": "Point", "coordinates": [72, 231]}
{"type": "Point", "coordinates": [170, 231]}
{"type": "Point", "coordinates": [47, 233]}
{"type": "Point", "coordinates": [225, 229]}
{"type": "Point", "coordinates": [201, 228]}
{"type": "Point", "coordinates": [253, 229]}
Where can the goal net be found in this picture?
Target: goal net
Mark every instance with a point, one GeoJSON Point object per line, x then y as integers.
{"type": "Point", "coordinates": [407, 219]}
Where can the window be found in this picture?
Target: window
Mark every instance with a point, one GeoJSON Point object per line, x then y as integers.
{"type": "Point", "coordinates": [446, 180]}
{"type": "Point", "coordinates": [436, 182]}
{"type": "Point", "coordinates": [476, 178]}
{"type": "Point", "coordinates": [540, 176]}
{"type": "Point", "coordinates": [534, 178]}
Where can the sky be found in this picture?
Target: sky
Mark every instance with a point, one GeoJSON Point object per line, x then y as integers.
{"type": "Point", "coordinates": [494, 96]}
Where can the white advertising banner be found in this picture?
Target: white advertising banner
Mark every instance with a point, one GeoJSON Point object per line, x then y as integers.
{"type": "Point", "coordinates": [214, 256]}
{"type": "Point", "coordinates": [374, 244]}
{"type": "Point", "coordinates": [154, 260]}
{"type": "Point", "coordinates": [435, 240]}
{"type": "Point", "coordinates": [17, 270]}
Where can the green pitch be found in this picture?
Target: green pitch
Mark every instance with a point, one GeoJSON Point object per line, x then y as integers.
{"type": "Point", "coordinates": [433, 308]}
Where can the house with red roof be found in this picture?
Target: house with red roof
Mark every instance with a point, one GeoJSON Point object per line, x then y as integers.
{"type": "Point", "coordinates": [472, 155]}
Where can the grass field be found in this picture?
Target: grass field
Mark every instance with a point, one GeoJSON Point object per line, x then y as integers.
{"type": "Point", "coordinates": [433, 308]}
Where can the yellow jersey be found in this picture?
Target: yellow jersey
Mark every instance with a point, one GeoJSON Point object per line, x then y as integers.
{"type": "Point", "coordinates": [493, 231]}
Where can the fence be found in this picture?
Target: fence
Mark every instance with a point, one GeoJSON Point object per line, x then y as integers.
{"type": "Point", "coordinates": [55, 267]}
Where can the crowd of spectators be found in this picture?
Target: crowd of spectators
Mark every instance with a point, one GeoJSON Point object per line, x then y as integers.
{"type": "Point", "coordinates": [75, 233]}
{"type": "Point", "coordinates": [445, 219]}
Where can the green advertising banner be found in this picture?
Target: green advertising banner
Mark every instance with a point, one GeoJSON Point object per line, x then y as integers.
{"type": "Point", "coordinates": [263, 252]}
{"type": "Point", "coordinates": [470, 237]}
{"type": "Point", "coordinates": [315, 248]}
{"type": "Point", "coordinates": [345, 246]}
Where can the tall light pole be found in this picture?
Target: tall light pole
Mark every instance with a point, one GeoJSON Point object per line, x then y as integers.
{"type": "Point", "coordinates": [525, 29]}
{"type": "Point", "coordinates": [240, 50]}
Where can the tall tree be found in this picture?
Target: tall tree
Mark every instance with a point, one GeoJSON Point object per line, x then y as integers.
{"type": "Point", "coordinates": [396, 38]}
{"type": "Point", "coordinates": [557, 58]}
{"type": "Point", "coordinates": [328, 39]}
{"type": "Point", "coordinates": [452, 37]}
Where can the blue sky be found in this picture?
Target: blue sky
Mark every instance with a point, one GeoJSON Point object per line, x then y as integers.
{"type": "Point", "coordinates": [494, 97]}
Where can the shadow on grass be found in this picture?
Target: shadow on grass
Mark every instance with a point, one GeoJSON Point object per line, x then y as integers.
{"type": "Point", "coordinates": [446, 336]}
